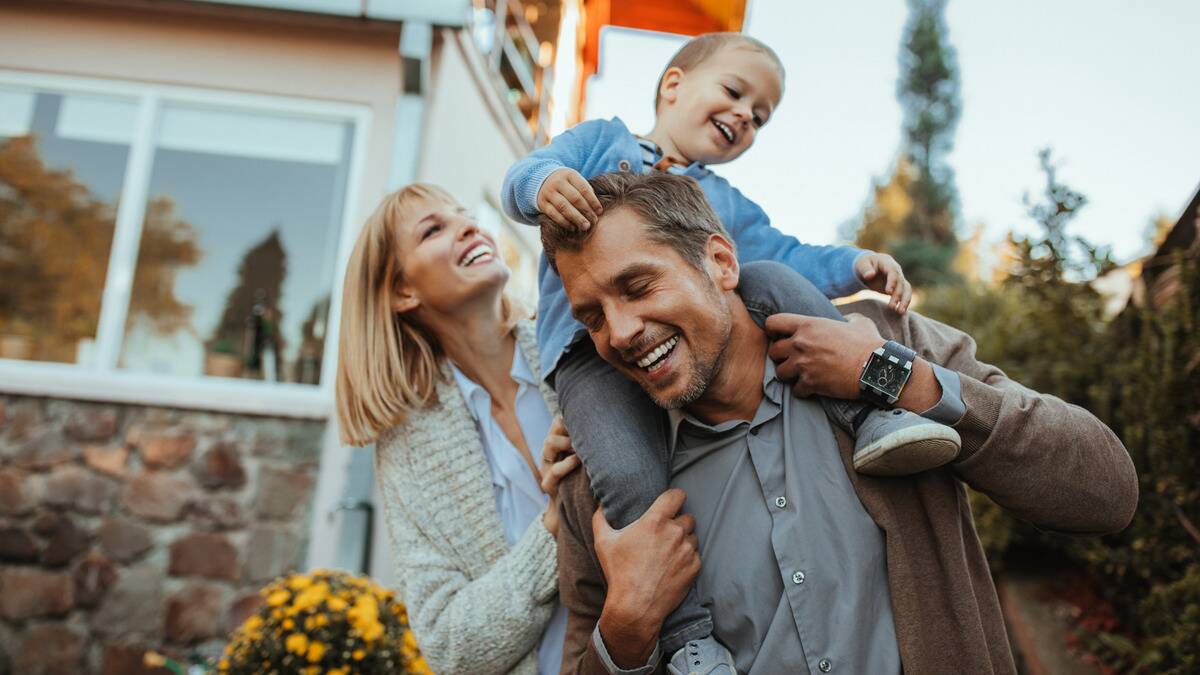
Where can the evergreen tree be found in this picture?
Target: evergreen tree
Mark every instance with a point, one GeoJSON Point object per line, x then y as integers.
{"type": "Point", "coordinates": [928, 92]}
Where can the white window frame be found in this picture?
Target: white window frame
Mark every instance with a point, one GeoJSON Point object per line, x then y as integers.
{"type": "Point", "coordinates": [104, 381]}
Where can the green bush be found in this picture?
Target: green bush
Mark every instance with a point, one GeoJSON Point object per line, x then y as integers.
{"type": "Point", "coordinates": [1140, 374]}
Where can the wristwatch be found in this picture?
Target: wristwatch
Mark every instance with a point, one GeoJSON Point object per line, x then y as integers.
{"type": "Point", "coordinates": [885, 373]}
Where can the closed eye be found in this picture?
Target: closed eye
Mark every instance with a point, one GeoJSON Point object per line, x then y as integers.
{"type": "Point", "coordinates": [430, 231]}
{"type": "Point", "coordinates": [733, 93]}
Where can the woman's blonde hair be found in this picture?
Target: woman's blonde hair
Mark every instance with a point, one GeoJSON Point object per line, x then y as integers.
{"type": "Point", "coordinates": [388, 366]}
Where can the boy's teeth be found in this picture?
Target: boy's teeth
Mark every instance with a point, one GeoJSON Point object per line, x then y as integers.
{"type": "Point", "coordinates": [724, 130]}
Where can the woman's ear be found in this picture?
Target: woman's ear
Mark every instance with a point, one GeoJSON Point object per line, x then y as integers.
{"type": "Point", "coordinates": [668, 91]}
{"type": "Point", "coordinates": [404, 299]}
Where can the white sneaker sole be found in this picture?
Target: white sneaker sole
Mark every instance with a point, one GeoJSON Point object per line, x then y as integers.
{"type": "Point", "coordinates": [909, 451]}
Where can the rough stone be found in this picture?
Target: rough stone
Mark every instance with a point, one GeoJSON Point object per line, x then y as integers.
{"type": "Point", "coordinates": [123, 539]}
{"type": "Point", "coordinates": [241, 609]}
{"type": "Point", "coordinates": [22, 421]}
{"type": "Point", "coordinates": [110, 461]}
{"type": "Point", "coordinates": [45, 449]}
{"type": "Point", "coordinates": [75, 487]}
{"type": "Point", "coordinates": [128, 659]}
{"type": "Point", "coordinates": [64, 540]}
{"type": "Point", "coordinates": [281, 493]}
{"type": "Point", "coordinates": [163, 447]}
{"type": "Point", "coordinates": [220, 467]}
{"type": "Point", "coordinates": [204, 554]}
{"type": "Point", "coordinates": [156, 496]}
{"type": "Point", "coordinates": [193, 614]}
{"type": "Point", "coordinates": [50, 649]}
{"type": "Point", "coordinates": [16, 546]}
{"type": "Point", "coordinates": [29, 593]}
{"type": "Point", "coordinates": [91, 423]}
{"type": "Point", "coordinates": [93, 577]}
{"type": "Point", "coordinates": [274, 551]}
{"type": "Point", "coordinates": [216, 513]}
{"type": "Point", "coordinates": [132, 605]}
{"type": "Point", "coordinates": [17, 492]}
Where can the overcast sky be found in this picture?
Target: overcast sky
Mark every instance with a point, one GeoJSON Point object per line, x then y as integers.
{"type": "Point", "coordinates": [1112, 85]}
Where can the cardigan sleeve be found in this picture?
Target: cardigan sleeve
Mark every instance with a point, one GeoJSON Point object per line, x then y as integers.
{"type": "Point", "coordinates": [477, 624]}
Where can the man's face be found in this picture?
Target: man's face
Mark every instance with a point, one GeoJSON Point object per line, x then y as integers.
{"type": "Point", "coordinates": [653, 316]}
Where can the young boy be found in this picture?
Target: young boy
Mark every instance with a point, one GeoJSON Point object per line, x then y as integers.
{"type": "Point", "coordinates": [712, 99]}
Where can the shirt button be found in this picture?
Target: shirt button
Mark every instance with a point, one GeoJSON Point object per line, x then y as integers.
{"type": "Point", "coordinates": [798, 577]}
{"type": "Point", "coordinates": [781, 502]}
{"type": "Point", "coordinates": [623, 165]}
{"type": "Point", "coordinates": [825, 665]}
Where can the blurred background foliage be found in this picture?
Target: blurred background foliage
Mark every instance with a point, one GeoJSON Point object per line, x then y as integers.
{"type": "Point", "coordinates": [1045, 314]}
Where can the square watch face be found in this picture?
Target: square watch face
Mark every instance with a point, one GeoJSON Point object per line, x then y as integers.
{"type": "Point", "coordinates": [885, 375]}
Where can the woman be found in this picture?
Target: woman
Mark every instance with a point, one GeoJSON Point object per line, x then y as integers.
{"type": "Point", "coordinates": [438, 371]}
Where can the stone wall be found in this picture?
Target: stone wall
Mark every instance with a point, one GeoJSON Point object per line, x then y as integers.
{"type": "Point", "coordinates": [124, 528]}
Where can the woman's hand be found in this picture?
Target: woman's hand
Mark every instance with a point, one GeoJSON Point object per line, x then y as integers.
{"type": "Point", "coordinates": [558, 460]}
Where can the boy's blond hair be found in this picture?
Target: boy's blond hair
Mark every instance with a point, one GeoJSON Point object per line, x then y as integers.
{"type": "Point", "coordinates": [388, 365]}
{"type": "Point", "coordinates": [700, 48]}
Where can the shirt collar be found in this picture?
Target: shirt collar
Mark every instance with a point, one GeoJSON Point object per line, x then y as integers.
{"type": "Point", "coordinates": [767, 409]}
{"type": "Point", "coordinates": [475, 394]}
{"type": "Point", "coordinates": [665, 163]}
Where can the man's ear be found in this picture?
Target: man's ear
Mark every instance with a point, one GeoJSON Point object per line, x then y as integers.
{"type": "Point", "coordinates": [722, 259]}
{"type": "Point", "coordinates": [404, 299]}
{"type": "Point", "coordinates": [668, 91]}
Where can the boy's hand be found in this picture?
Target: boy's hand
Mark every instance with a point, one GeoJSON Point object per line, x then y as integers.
{"type": "Point", "coordinates": [880, 272]}
{"type": "Point", "coordinates": [568, 200]}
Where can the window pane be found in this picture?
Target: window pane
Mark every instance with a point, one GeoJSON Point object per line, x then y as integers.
{"type": "Point", "coordinates": [238, 244]}
{"type": "Point", "coordinates": [62, 167]}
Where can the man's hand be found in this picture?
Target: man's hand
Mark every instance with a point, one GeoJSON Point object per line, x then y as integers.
{"type": "Point", "coordinates": [649, 567]}
{"type": "Point", "coordinates": [567, 199]}
{"type": "Point", "coordinates": [824, 356]}
{"type": "Point", "coordinates": [880, 272]}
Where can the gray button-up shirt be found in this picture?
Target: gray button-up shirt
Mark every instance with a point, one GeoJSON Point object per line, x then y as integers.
{"type": "Point", "coordinates": [815, 598]}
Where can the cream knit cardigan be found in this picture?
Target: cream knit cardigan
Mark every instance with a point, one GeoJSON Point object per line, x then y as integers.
{"type": "Point", "coordinates": [476, 606]}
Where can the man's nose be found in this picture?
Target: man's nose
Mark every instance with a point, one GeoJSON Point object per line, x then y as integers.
{"type": "Point", "coordinates": [624, 329]}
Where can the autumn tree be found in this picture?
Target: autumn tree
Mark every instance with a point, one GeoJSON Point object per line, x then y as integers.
{"type": "Point", "coordinates": [55, 239]}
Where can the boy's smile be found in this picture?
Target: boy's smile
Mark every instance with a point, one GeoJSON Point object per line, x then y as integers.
{"type": "Point", "coordinates": [711, 113]}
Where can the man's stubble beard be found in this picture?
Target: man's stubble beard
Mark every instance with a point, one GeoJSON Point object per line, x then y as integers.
{"type": "Point", "coordinates": [705, 370]}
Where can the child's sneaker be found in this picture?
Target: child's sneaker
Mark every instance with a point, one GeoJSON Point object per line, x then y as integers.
{"type": "Point", "coordinates": [894, 442]}
{"type": "Point", "coordinates": [705, 656]}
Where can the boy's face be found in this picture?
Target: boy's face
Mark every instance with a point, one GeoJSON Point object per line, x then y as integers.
{"type": "Point", "coordinates": [713, 111]}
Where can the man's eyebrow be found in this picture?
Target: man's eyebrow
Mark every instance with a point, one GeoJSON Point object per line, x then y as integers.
{"type": "Point", "coordinates": [628, 274]}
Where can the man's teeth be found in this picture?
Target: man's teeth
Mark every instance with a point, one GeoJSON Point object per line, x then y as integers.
{"type": "Point", "coordinates": [475, 254]}
{"type": "Point", "coordinates": [658, 353]}
{"type": "Point", "coordinates": [724, 130]}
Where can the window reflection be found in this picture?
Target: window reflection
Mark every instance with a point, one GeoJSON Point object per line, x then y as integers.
{"type": "Point", "coordinates": [261, 196]}
{"type": "Point", "coordinates": [62, 167]}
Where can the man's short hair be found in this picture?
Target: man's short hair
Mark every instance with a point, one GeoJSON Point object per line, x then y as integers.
{"type": "Point", "coordinates": [674, 208]}
{"type": "Point", "coordinates": [700, 48]}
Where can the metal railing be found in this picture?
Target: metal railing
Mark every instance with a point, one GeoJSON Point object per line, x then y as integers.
{"type": "Point", "coordinates": [519, 63]}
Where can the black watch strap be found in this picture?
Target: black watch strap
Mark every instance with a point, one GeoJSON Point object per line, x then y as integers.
{"type": "Point", "coordinates": [893, 350]}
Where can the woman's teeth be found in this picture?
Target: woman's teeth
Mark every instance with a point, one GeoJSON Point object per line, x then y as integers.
{"type": "Point", "coordinates": [475, 254]}
{"type": "Point", "coordinates": [658, 354]}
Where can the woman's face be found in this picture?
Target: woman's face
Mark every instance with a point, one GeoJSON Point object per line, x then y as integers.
{"type": "Point", "coordinates": [447, 261]}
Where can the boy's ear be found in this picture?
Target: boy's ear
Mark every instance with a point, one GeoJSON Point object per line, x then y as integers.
{"type": "Point", "coordinates": [669, 89]}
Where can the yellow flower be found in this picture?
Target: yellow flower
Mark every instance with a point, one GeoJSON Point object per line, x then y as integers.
{"type": "Point", "coordinates": [223, 664]}
{"type": "Point", "coordinates": [288, 624]}
{"type": "Point", "coordinates": [311, 596]}
{"type": "Point", "coordinates": [337, 604]}
{"type": "Point", "coordinates": [278, 598]}
{"type": "Point", "coordinates": [338, 671]}
{"type": "Point", "coordinates": [359, 655]}
{"type": "Point", "coordinates": [299, 582]}
{"type": "Point", "coordinates": [316, 650]}
{"type": "Point", "coordinates": [297, 643]}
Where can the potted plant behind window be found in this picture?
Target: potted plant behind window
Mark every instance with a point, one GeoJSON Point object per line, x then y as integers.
{"type": "Point", "coordinates": [223, 360]}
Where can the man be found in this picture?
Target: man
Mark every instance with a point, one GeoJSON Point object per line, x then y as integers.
{"type": "Point", "coordinates": [809, 566]}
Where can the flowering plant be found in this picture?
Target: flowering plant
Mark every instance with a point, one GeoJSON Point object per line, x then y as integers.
{"type": "Point", "coordinates": [326, 623]}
